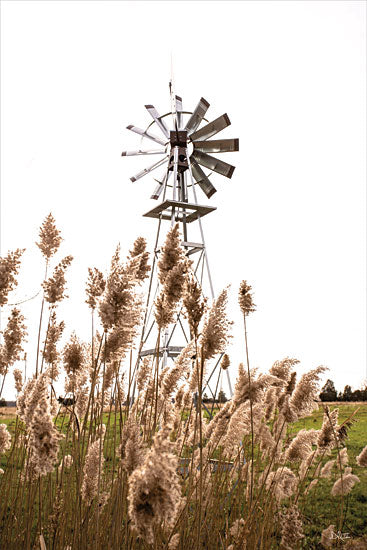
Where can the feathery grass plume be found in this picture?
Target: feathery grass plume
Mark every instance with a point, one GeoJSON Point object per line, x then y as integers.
{"type": "Point", "coordinates": [194, 303]}
{"type": "Point", "coordinates": [225, 362]}
{"type": "Point", "coordinates": [154, 489]}
{"type": "Point", "coordinates": [327, 468]}
{"type": "Point", "coordinates": [131, 449]}
{"type": "Point", "coordinates": [301, 445]}
{"type": "Point", "coordinates": [362, 457]}
{"type": "Point", "coordinates": [170, 295]}
{"type": "Point", "coordinates": [54, 334]}
{"type": "Point", "coordinates": [270, 399]}
{"type": "Point", "coordinates": [23, 397]}
{"type": "Point", "coordinates": [344, 485]}
{"type": "Point", "coordinates": [282, 369]}
{"type": "Point", "coordinates": [18, 380]}
{"type": "Point", "coordinates": [219, 424]}
{"type": "Point", "coordinates": [254, 390]}
{"type": "Point", "coordinates": [284, 397]}
{"type": "Point", "coordinates": [174, 542]}
{"type": "Point", "coordinates": [143, 373]}
{"type": "Point", "coordinates": [33, 391]}
{"type": "Point", "coordinates": [120, 301]}
{"type": "Point", "coordinates": [304, 397]}
{"type": "Point", "coordinates": [44, 438]}
{"type": "Point", "coordinates": [171, 254]}
{"type": "Point", "coordinates": [327, 434]}
{"type": "Point", "coordinates": [50, 237]}
{"type": "Point", "coordinates": [74, 355]}
{"type": "Point", "coordinates": [9, 267]}
{"type": "Point", "coordinates": [90, 472]}
{"type": "Point", "coordinates": [342, 431]}
{"type": "Point", "coordinates": [215, 333]}
{"type": "Point", "coordinates": [5, 439]}
{"type": "Point", "coordinates": [311, 486]}
{"type": "Point", "coordinates": [172, 268]}
{"type": "Point", "coordinates": [328, 537]}
{"type": "Point", "coordinates": [13, 335]}
{"type": "Point", "coordinates": [236, 428]}
{"type": "Point", "coordinates": [181, 367]}
{"type": "Point", "coordinates": [123, 334]}
{"type": "Point", "coordinates": [291, 528]}
{"type": "Point", "coordinates": [54, 287]}
{"type": "Point", "coordinates": [282, 483]}
{"type": "Point", "coordinates": [95, 287]}
{"type": "Point", "coordinates": [343, 457]}
{"type": "Point", "coordinates": [139, 251]}
{"type": "Point", "coordinates": [245, 299]}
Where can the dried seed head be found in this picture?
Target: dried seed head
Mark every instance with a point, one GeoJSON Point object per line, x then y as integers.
{"type": "Point", "coordinates": [5, 439]}
{"type": "Point", "coordinates": [91, 468]}
{"type": "Point", "coordinates": [154, 488]}
{"type": "Point", "coordinates": [95, 286]}
{"type": "Point", "coordinates": [362, 457]}
{"type": "Point", "coordinates": [225, 362]}
{"type": "Point", "coordinates": [143, 374]}
{"type": "Point", "coordinates": [215, 333]}
{"type": "Point", "coordinates": [291, 528]}
{"type": "Point", "coordinates": [121, 305]}
{"type": "Point", "coordinates": [54, 334]}
{"type": "Point", "coordinates": [9, 267]}
{"type": "Point", "coordinates": [74, 356]}
{"type": "Point", "coordinates": [13, 335]}
{"type": "Point", "coordinates": [139, 252]}
{"type": "Point", "coordinates": [171, 253]}
{"type": "Point", "coordinates": [54, 287]}
{"type": "Point", "coordinates": [344, 485]}
{"type": "Point", "coordinates": [18, 379]}
{"type": "Point", "coordinates": [44, 438]}
{"type": "Point", "coordinates": [194, 303]}
{"type": "Point", "coordinates": [50, 237]}
{"type": "Point", "coordinates": [304, 397]}
{"type": "Point", "coordinates": [301, 445]}
{"type": "Point", "coordinates": [327, 438]}
{"type": "Point", "coordinates": [245, 299]}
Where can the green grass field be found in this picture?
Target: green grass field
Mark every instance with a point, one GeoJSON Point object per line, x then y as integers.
{"type": "Point", "coordinates": [322, 508]}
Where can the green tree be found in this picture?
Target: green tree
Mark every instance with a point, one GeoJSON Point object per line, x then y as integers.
{"type": "Point", "coordinates": [328, 392]}
{"type": "Point", "coordinates": [222, 397]}
{"type": "Point", "coordinates": [347, 393]}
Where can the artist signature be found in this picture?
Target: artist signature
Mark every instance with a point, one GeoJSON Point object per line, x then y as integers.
{"type": "Point", "coordinates": [339, 535]}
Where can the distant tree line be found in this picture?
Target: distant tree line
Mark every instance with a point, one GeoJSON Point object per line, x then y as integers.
{"type": "Point", "coordinates": [329, 393]}
{"type": "Point", "coordinates": [221, 398]}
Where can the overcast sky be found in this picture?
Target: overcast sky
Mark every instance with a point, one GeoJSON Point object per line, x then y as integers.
{"type": "Point", "coordinates": [291, 221]}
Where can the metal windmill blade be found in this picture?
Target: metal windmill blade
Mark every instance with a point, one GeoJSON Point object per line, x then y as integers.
{"type": "Point", "coordinates": [217, 145]}
{"type": "Point", "coordinates": [201, 178]}
{"type": "Point", "coordinates": [157, 119]}
{"type": "Point", "coordinates": [212, 128]}
{"type": "Point", "coordinates": [213, 164]}
{"type": "Point", "coordinates": [197, 116]}
{"type": "Point", "coordinates": [146, 134]}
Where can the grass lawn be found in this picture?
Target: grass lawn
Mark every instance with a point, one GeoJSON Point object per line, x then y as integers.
{"type": "Point", "coordinates": [321, 510]}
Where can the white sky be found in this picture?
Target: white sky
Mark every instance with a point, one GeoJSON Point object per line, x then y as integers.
{"type": "Point", "coordinates": [292, 78]}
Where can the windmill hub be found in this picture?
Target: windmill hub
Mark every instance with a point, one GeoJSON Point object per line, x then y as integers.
{"type": "Point", "coordinates": [178, 140]}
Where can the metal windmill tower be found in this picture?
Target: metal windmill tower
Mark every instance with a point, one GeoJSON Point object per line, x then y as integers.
{"type": "Point", "coordinates": [185, 149]}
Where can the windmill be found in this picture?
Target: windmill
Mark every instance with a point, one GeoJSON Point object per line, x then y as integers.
{"type": "Point", "coordinates": [187, 143]}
